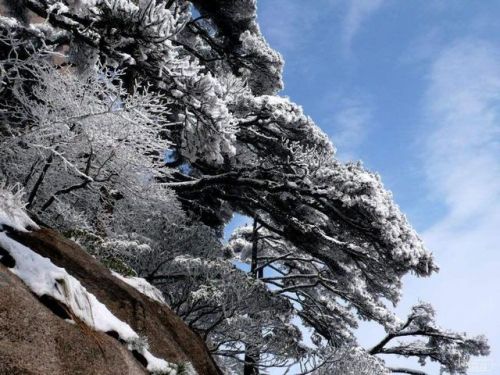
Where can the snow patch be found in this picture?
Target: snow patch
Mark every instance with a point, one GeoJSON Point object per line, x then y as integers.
{"type": "Point", "coordinates": [142, 286]}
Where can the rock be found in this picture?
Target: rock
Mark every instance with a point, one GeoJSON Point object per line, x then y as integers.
{"type": "Point", "coordinates": [35, 338]}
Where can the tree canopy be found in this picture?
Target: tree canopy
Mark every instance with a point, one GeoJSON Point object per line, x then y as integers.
{"type": "Point", "coordinates": [139, 128]}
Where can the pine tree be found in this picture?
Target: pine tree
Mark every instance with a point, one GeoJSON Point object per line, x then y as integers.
{"type": "Point", "coordinates": [140, 127]}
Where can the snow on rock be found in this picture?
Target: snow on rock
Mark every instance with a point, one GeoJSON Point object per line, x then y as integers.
{"type": "Point", "coordinates": [45, 278]}
{"type": "Point", "coordinates": [142, 286]}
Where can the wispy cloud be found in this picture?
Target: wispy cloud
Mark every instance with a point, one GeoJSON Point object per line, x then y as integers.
{"type": "Point", "coordinates": [357, 13]}
{"type": "Point", "coordinates": [425, 47]}
{"type": "Point", "coordinates": [287, 24]}
{"type": "Point", "coordinates": [350, 125]}
{"type": "Point", "coordinates": [462, 162]}
{"type": "Point", "coordinates": [463, 103]}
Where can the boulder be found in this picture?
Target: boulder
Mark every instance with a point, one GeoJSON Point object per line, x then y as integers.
{"type": "Point", "coordinates": [36, 337]}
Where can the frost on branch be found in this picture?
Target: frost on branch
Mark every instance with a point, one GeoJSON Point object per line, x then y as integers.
{"type": "Point", "coordinates": [237, 35]}
{"type": "Point", "coordinates": [91, 139]}
{"type": "Point", "coordinates": [353, 361]}
{"type": "Point", "coordinates": [326, 302]}
{"type": "Point", "coordinates": [218, 300]}
{"type": "Point", "coordinates": [12, 212]}
{"type": "Point", "coordinates": [450, 349]}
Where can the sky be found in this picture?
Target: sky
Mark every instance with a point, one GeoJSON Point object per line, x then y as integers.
{"type": "Point", "coordinates": [412, 88]}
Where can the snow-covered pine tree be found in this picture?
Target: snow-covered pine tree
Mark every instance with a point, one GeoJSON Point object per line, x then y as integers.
{"type": "Point", "coordinates": [139, 127]}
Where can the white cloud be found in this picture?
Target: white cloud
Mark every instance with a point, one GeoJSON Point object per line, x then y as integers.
{"type": "Point", "coordinates": [287, 24]}
{"type": "Point", "coordinates": [462, 163]}
{"type": "Point", "coordinates": [358, 12]}
{"type": "Point", "coordinates": [350, 126]}
{"type": "Point", "coordinates": [463, 150]}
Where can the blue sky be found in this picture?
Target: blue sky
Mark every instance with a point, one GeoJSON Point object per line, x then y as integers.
{"type": "Point", "coordinates": [412, 88]}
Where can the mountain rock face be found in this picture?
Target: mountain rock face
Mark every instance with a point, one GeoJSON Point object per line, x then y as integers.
{"type": "Point", "coordinates": [36, 336]}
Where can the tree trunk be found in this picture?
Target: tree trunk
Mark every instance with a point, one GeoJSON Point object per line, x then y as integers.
{"type": "Point", "coordinates": [252, 353]}
{"type": "Point", "coordinates": [251, 361]}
